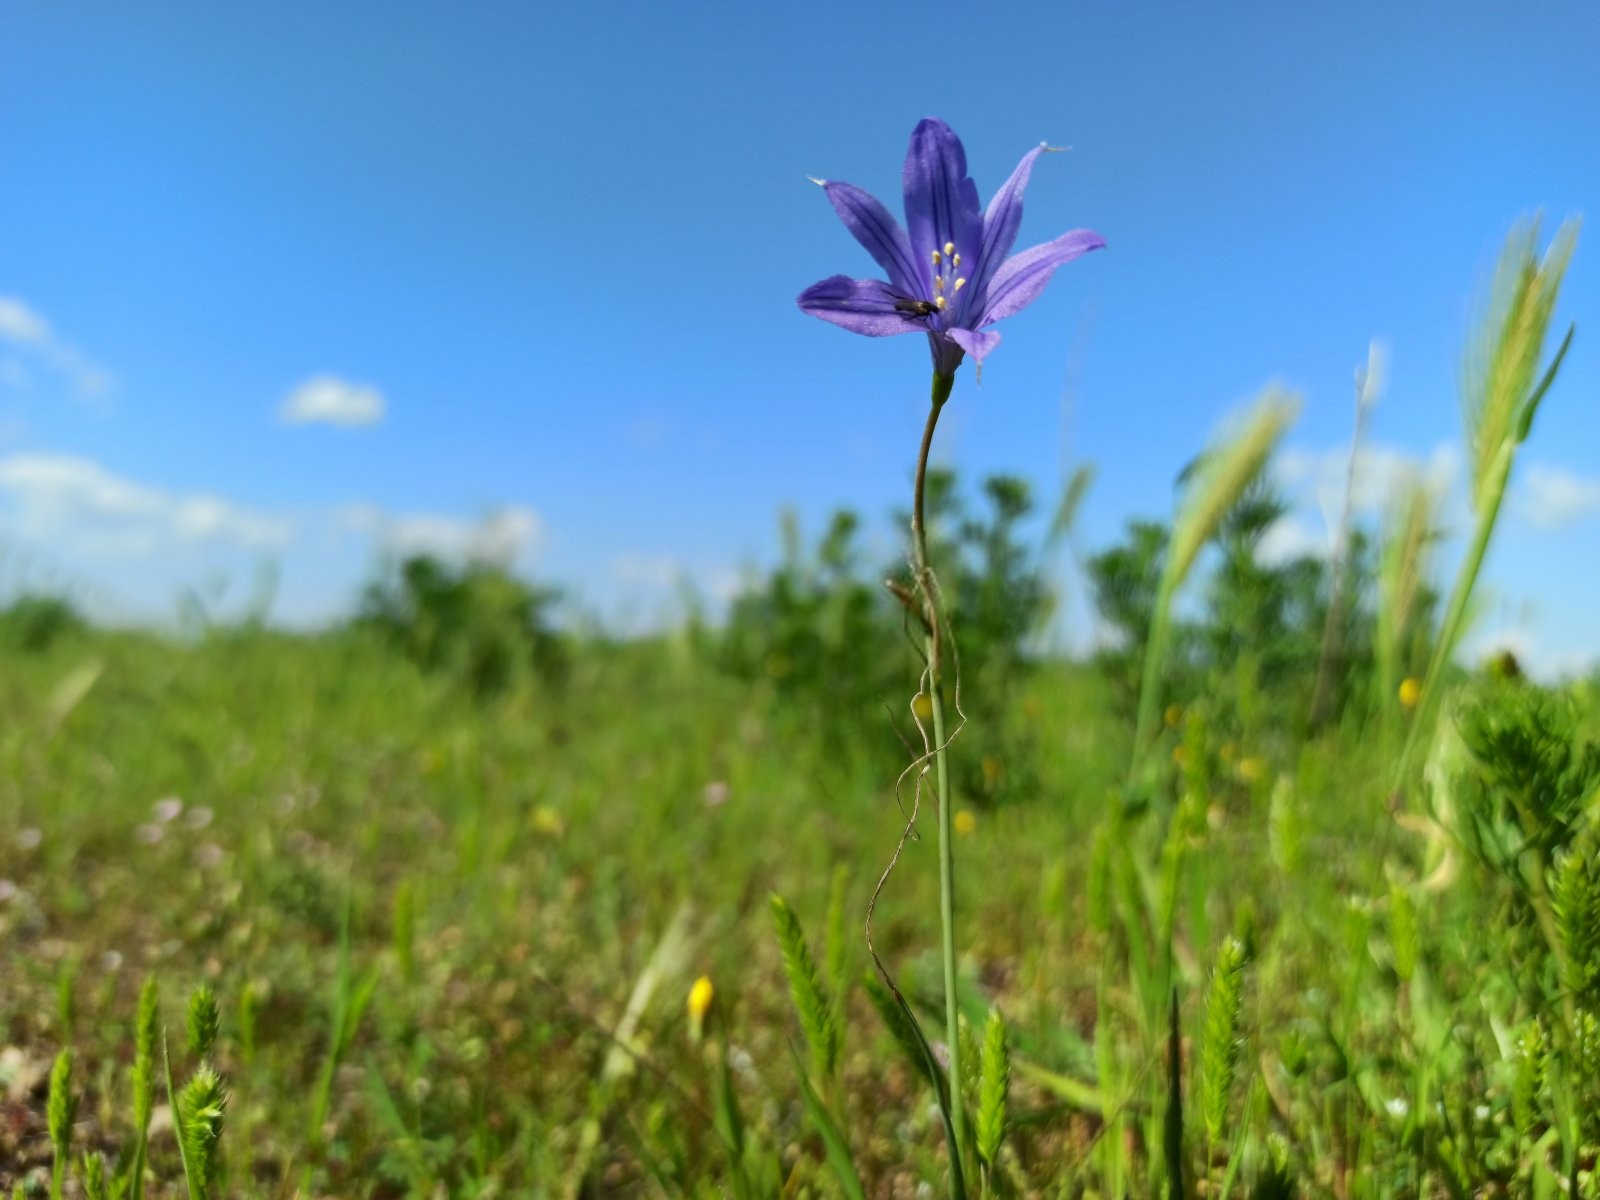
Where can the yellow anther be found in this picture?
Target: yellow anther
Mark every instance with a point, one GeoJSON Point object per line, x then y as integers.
{"type": "Point", "coordinates": [938, 283]}
{"type": "Point", "coordinates": [955, 260]}
{"type": "Point", "coordinates": [936, 258]}
{"type": "Point", "coordinates": [949, 247]}
{"type": "Point", "coordinates": [938, 302]}
{"type": "Point", "coordinates": [960, 283]}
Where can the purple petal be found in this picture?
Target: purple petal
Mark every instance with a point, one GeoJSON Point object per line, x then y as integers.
{"type": "Point", "coordinates": [877, 230]}
{"type": "Point", "coordinates": [1022, 277]}
{"type": "Point", "coordinates": [976, 342]}
{"type": "Point", "coordinates": [1001, 221]}
{"type": "Point", "coordinates": [864, 306]}
{"type": "Point", "coordinates": [941, 199]}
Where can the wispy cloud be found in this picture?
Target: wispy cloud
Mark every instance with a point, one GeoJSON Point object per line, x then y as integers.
{"type": "Point", "coordinates": [73, 501]}
{"type": "Point", "coordinates": [501, 537]}
{"type": "Point", "coordinates": [1291, 537]}
{"type": "Point", "coordinates": [21, 326]}
{"type": "Point", "coordinates": [667, 573]}
{"type": "Point", "coordinates": [1315, 481]}
{"type": "Point", "coordinates": [329, 400]}
{"type": "Point", "coordinates": [1554, 496]}
{"type": "Point", "coordinates": [1380, 472]}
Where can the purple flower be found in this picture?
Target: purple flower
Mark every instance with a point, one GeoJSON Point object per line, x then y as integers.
{"type": "Point", "coordinates": [949, 276]}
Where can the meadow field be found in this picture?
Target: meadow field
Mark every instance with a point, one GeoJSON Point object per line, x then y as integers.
{"type": "Point", "coordinates": [1271, 896]}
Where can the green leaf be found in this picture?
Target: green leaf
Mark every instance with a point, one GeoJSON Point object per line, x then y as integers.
{"type": "Point", "coordinates": [844, 1167]}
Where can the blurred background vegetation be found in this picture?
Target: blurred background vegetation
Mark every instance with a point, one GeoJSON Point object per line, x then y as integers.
{"type": "Point", "coordinates": [443, 860]}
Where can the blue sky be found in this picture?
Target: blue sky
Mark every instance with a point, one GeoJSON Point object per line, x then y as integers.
{"type": "Point", "coordinates": [301, 283]}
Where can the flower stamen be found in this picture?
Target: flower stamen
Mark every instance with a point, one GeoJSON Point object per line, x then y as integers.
{"type": "Point", "coordinates": [960, 283]}
{"type": "Point", "coordinates": [936, 258]}
{"type": "Point", "coordinates": [949, 247]}
{"type": "Point", "coordinates": [938, 302]}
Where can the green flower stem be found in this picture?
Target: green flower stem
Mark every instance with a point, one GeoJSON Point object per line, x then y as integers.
{"type": "Point", "coordinates": [947, 918]}
{"type": "Point", "coordinates": [947, 872]}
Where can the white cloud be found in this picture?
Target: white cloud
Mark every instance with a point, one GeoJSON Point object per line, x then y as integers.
{"type": "Point", "coordinates": [667, 573]}
{"type": "Point", "coordinates": [332, 401]}
{"type": "Point", "coordinates": [73, 501]}
{"type": "Point", "coordinates": [19, 323]}
{"type": "Point", "coordinates": [1290, 538]}
{"type": "Point", "coordinates": [660, 572]}
{"type": "Point", "coordinates": [501, 537]}
{"type": "Point", "coordinates": [25, 328]}
{"type": "Point", "coordinates": [1380, 474]}
{"type": "Point", "coordinates": [1554, 496]}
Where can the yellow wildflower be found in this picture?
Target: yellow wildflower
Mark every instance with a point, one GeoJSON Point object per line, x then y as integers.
{"type": "Point", "coordinates": [922, 706]}
{"type": "Point", "coordinates": [1251, 769]}
{"type": "Point", "coordinates": [1410, 692]}
{"type": "Point", "coordinates": [964, 822]}
{"type": "Point", "coordinates": [701, 994]}
{"type": "Point", "coordinates": [548, 822]}
{"type": "Point", "coordinates": [1173, 716]}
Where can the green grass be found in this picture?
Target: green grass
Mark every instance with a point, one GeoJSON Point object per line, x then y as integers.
{"type": "Point", "coordinates": [545, 843]}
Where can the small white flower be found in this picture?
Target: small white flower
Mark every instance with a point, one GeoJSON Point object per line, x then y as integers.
{"type": "Point", "coordinates": [168, 808]}
{"type": "Point", "coordinates": [111, 960]}
{"type": "Point", "coordinates": [1398, 1106]}
{"type": "Point", "coordinates": [29, 839]}
{"type": "Point", "coordinates": [7, 890]}
{"type": "Point", "coordinates": [198, 817]}
{"type": "Point", "coordinates": [716, 794]}
{"type": "Point", "coordinates": [149, 834]}
{"type": "Point", "coordinates": [209, 855]}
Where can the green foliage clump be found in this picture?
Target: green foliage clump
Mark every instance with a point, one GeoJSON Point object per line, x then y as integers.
{"type": "Point", "coordinates": [828, 637]}
{"type": "Point", "coordinates": [478, 623]}
{"type": "Point", "coordinates": [33, 623]}
{"type": "Point", "coordinates": [1535, 776]}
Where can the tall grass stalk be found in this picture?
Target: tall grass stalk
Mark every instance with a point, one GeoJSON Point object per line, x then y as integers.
{"type": "Point", "coordinates": [994, 1082]}
{"type": "Point", "coordinates": [817, 1018]}
{"type": "Point", "coordinates": [1402, 570]}
{"type": "Point", "coordinates": [1499, 408]}
{"type": "Point", "coordinates": [60, 1109]}
{"type": "Point", "coordinates": [348, 1003]}
{"type": "Point", "coordinates": [1223, 477]}
{"type": "Point", "coordinates": [146, 1030]}
{"type": "Point", "coordinates": [1369, 381]}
